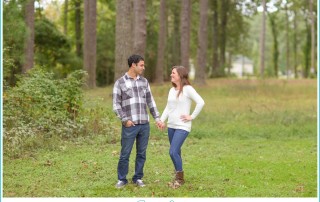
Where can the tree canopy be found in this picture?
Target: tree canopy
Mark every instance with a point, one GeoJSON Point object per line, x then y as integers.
{"type": "Point", "coordinates": [233, 29]}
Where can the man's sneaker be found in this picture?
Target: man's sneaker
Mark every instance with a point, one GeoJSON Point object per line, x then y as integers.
{"type": "Point", "coordinates": [121, 184]}
{"type": "Point", "coordinates": [140, 183]}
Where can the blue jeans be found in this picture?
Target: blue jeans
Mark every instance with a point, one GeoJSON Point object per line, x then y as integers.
{"type": "Point", "coordinates": [139, 132]}
{"type": "Point", "coordinates": [176, 139]}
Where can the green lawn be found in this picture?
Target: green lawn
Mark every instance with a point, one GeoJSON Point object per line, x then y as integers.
{"type": "Point", "coordinates": [253, 139]}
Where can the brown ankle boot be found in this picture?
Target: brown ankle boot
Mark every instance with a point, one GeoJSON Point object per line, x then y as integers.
{"type": "Point", "coordinates": [178, 180]}
{"type": "Point", "coordinates": [180, 177]}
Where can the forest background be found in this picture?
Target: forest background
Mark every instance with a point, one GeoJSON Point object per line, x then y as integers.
{"type": "Point", "coordinates": [61, 58]}
{"type": "Point", "coordinates": [279, 36]}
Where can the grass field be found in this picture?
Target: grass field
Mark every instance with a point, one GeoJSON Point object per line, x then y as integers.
{"type": "Point", "coordinates": [253, 139]}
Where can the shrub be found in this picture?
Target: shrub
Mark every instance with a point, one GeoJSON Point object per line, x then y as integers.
{"type": "Point", "coordinates": [41, 106]}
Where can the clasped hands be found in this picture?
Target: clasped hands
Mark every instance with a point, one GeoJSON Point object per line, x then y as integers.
{"type": "Point", "coordinates": [160, 125]}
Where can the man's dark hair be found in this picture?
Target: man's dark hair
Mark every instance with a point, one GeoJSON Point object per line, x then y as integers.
{"type": "Point", "coordinates": [134, 59]}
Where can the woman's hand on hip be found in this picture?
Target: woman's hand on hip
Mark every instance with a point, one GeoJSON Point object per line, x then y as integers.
{"type": "Point", "coordinates": [185, 118]}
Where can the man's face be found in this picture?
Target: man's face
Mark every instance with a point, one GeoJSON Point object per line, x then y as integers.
{"type": "Point", "coordinates": [139, 67]}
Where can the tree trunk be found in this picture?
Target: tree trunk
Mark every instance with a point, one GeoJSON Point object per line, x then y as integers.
{"type": "Point", "coordinates": [176, 37]}
{"type": "Point", "coordinates": [215, 46]}
{"type": "Point", "coordinates": [230, 62]}
{"type": "Point", "coordinates": [132, 28]}
{"type": "Point", "coordinates": [140, 27]}
{"type": "Point", "coordinates": [185, 32]}
{"type": "Point", "coordinates": [78, 28]}
{"type": "Point", "coordinates": [223, 34]}
{"type": "Point", "coordinates": [161, 43]}
{"type": "Point", "coordinates": [123, 35]}
{"type": "Point", "coordinates": [29, 46]}
{"type": "Point", "coordinates": [202, 44]}
{"type": "Point", "coordinates": [275, 51]}
{"type": "Point", "coordinates": [174, 44]}
{"type": "Point", "coordinates": [287, 41]}
{"type": "Point", "coordinates": [262, 38]}
{"type": "Point", "coordinates": [307, 51]}
{"type": "Point", "coordinates": [313, 67]}
{"type": "Point", "coordinates": [65, 17]}
{"type": "Point", "coordinates": [295, 42]}
{"type": "Point", "coordinates": [90, 41]}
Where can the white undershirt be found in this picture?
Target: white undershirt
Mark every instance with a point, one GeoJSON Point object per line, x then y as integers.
{"type": "Point", "coordinates": [181, 106]}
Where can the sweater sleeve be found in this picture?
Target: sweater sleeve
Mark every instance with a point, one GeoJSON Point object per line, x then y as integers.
{"type": "Point", "coordinates": [165, 113]}
{"type": "Point", "coordinates": [192, 93]}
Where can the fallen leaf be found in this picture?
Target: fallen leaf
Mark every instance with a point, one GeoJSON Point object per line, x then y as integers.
{"type": "Point", "coordinates": [48, 163]}
{"type": "Point", "coordinates": [300, 188]}
{"type": "Point", "coordinates": [114, 153]}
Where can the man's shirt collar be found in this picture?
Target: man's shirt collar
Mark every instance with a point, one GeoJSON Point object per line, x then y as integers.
{"type": "Point", "coordinates": [129, 77]}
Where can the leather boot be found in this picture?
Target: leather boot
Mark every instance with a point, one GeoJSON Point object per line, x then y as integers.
{"type": "Point", "coordinates": [180, 177]}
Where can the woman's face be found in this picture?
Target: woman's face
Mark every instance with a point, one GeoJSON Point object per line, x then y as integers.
{"type": "Point", "coordinates": [175, 78]}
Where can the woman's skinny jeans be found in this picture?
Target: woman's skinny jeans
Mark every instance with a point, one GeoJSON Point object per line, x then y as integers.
{"type": "Point", "coordinates": [176, 139]}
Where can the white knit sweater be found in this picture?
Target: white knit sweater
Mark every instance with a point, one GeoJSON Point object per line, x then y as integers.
{"type": "Point", "coordinates": [181, 106]}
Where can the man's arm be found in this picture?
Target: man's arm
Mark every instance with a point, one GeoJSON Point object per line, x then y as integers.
{"type": "Point", "coordinates": [152, 104]}
{"type": "Point", "coordinates": [116, 99]}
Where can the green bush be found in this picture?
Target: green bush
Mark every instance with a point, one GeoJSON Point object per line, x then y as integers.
{"type": "Point", "coordinates": [41, 105]}
{"type": "Point", "coordinates": [41, 109]}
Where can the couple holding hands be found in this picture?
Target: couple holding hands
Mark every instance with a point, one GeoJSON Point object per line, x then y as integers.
{"type": "Point", "coordinates": [131, 97]}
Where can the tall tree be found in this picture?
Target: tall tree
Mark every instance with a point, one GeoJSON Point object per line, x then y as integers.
{"type": "Point", "coordinates": [295, 42]}
{"type": "Point", "coordinates": [202, 44]}
{"type": "Point", "coordinates": [237, 32]}
{"type": "Point", "coordinates": [173, 33]}
{"type": "Point", "coordinates": [223, 33]}
{"type": "Point", "coordinates": [123, 34]}
{"type": "Point", "coordinates": [90, 41]}
{"type": "Point", "coordinates": [287, 40]}
{"type": "Point", "coordinates": [176, 34]}
{"type": "Point", "coordinates": [29, 45]}
{"type": "Point", "coordinates": [215, 39]}
{"type": "Point", "coordinates": [65, 17]}
{"type": "Point", "coordinates": [313, 44]}
{"type": "Point", "coordinates": [275, 51]}
{"type": "Point", "coordinates": [78, 27]}
{"type": "Point", "coordinates": [185, 32]}
{"type": "Point", "coordinates": [14, 41]}
{"type": "Point", "coordinates": [140, 27]}
{"type": "Point", "coordinates": [262, 38]}
{"type": "Point", "coordinates": [307, 46]}
{"type": "Point", "coordinates": [106, 24]}
{"type": "Point", "coordinates": [161, 43]}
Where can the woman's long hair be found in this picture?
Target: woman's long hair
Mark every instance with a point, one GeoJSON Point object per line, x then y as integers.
{"type": "Point", "coordinates": [184, 77]}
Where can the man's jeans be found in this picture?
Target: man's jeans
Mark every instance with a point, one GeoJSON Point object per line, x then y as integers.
{"type": "Point", "coordinates": [140, 132]}
{"type": "Point", "coordinates": [176, 139]}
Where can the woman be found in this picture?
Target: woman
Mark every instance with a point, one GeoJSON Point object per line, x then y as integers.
{"type": "Point", "coordinates": [179, 119]}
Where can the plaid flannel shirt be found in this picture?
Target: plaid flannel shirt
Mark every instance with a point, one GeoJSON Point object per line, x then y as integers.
{"type": "Point", "coordinates": [131, 98]}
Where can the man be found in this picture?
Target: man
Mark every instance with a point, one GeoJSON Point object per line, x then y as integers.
{"type": "Point", "coordinates": [131, 96]}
